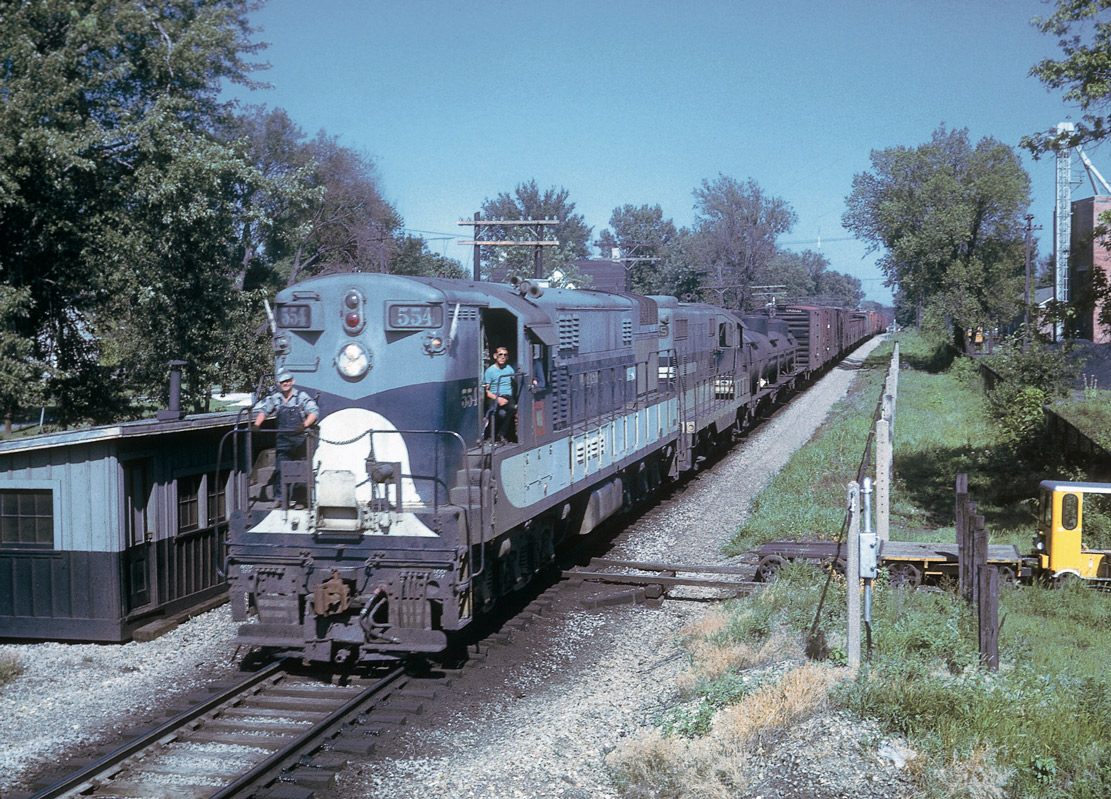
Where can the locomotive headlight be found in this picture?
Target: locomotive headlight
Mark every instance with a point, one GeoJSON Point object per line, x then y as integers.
{"type": "Point", "coordinates": [353, 360]}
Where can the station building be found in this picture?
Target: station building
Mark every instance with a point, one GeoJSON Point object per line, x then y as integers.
{"type": "Point", "coordinates": [107, 530]}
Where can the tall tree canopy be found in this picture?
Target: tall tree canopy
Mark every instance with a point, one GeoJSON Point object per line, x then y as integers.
{"type": "Point", "coordinates": [317, 206]}
{"type": "Point", "coordinates": [641, 235]}
{"type": "Point", "coordinates": [737, 225]}
{"type": "Point", "coordinates": [106, 113]}
{"type": "Point", "coordinates": [807, 275]}
{"type": "Point", "coordinates": [948, 218]}
{"type": "Point", "coordinates": [414, 258]}
{"type": "Point", "coordinates": [1083, 31]}
{"type": "Point", "coordinates": [20, 373]}
{"type": "Point", "coordinates": [527, 201]}
{"type": "Point", "coordinates": [143, 219]}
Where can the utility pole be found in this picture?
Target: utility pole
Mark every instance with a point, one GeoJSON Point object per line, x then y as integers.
{"type": "Point", "coordinates": [537, 242]}
{"type": "Point", "coordinates": [1028, 301]}
{"type": "Point", "coordinates": [632, 257]}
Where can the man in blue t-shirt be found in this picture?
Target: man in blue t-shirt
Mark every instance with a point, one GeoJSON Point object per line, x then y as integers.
{"type": "Point", "coordinates": [498, 382]}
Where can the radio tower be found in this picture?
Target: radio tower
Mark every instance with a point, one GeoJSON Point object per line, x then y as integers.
{"type": "Point", "coordinates": [1062, 225]}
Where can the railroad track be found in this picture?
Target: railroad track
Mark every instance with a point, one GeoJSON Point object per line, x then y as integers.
{"type": "Point", "coordinates": [647, 582]}
{"type": "Point", "coordinates": [275, 734]}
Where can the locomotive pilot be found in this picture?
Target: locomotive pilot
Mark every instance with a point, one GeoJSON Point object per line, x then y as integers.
{"type": "Point", "coordinates": [296, 412]}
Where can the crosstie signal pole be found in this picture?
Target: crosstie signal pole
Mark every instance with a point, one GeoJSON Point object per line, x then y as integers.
{"type": "Point", "coordinates": [630, 256]}
{"type": "Point", "coordinates": [537, 241]}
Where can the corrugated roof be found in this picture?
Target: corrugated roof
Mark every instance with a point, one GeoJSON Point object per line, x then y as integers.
{"type": "Point", "coordinates": [141, 427]}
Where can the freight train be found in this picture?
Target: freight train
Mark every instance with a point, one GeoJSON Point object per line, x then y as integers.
{"type": "Point", "coordinates": [409, 517]}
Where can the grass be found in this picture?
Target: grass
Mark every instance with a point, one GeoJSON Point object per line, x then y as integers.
{"type": "Point", "coordinates": [1040, 727]}
{"type": "Point", "coordinates": [1043, 722]}
{"type": "Point", "coordinates": [1089, 412]}
{"type": "Point", "coordinates": [820, 472]}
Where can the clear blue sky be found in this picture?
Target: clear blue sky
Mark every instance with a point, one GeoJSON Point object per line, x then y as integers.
{"type": "Point", "coordinates": [623, 101]}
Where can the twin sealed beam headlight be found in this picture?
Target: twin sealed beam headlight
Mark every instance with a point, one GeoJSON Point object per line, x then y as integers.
{"type": "Point", "coordinates": [353, 360]}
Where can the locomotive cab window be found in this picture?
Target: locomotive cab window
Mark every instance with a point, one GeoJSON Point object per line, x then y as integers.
{"type": "Point", "coordinates": [539, 366]}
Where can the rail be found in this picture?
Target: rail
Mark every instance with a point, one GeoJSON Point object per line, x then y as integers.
{"type": "Point", "coordinates": [76, 780]}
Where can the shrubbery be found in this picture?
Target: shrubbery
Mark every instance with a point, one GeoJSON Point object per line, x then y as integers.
{"type": "Point", "coordinates": [1031, 376]}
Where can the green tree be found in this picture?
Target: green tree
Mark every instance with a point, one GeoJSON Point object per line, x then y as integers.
{"type": "Point", "coordinates": [678, 273]}
{"type": "Point", "coordinates": [414, 258]}
{"type": "Point", "coordinates": [806, 275]}
{"type": "Point", "coordinates": [349, 227]}
{"type": "Point", "coordinates": [101, 102]}
{"type": "Point", "coordinates": [797, 273]}
{"type": "Point", "coordinates": [1086, 43]}
{"type": "Point", "coordinates": [639, 234]}
{"type": "Point", "coordinates": [20, 372]}
{"type": "Point", "coordinates": [528, 202]}
{"type": "Point", "coordinates": [276, 201]}
{"type": "Point", "coordinates": [948, 217]}
{"type": "Point", "coordinates": [174, 297]}
{"type": "Point", "coordinates": [837, 288]}
{"type": "Point", "coordinates": [737, 226]}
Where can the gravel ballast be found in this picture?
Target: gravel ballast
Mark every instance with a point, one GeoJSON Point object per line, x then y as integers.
{"type": "Point", "coordinates": [559, 703]}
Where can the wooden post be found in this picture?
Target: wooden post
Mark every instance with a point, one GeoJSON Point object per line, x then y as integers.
{"type": "Point", "coordinates": [979, 555]}
{"type": "Point", "coordinates": [962, 553]}
{"type": "Point", "coordinates": [476, 269]}
{"type": "Point", "coordinates": [883, 480]}
{"type": "Point", "coordinates": [987, 612]}
{"type": "Point", "coordinates": [967, 571]}
{"type": "Point", "coordinates": [852, 578]}
{"type": "Point", "coordinates": [893, 384]}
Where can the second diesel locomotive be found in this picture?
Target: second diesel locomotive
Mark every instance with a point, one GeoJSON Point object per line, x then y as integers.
{"type": "Point", "coordinates": [413, 519]}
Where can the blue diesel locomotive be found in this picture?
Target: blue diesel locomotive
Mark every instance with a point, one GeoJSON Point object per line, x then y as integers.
{"type": "Point", "coordinates": [408, 518]}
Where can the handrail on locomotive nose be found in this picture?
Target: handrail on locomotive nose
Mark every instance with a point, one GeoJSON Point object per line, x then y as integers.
{"type": "Point", "coordinates": [467, 471]}
{"type": "Point", "coordinates": [239, 430]}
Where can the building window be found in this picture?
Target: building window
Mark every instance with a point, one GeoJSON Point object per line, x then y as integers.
{"type": "Point", "coordinates": [188, 502]}
{"type": "Point", "coordinates": [217, 498]}
{"type": "Point", "coordinates": [27, 517]}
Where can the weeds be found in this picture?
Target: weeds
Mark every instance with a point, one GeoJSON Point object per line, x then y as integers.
{"type": "Point", "coordinates": [10, 668]}
{"type": "Point", "coordinates": [712, 760]}
{"type": "Point", "coordinates": [1090, 413]}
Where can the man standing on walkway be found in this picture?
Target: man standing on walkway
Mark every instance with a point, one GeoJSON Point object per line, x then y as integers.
{"type": "Point", "coordinates": [296, 412]}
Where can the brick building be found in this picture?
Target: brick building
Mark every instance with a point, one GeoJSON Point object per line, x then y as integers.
{"type": "Point", "coordinates": [1086, 254]}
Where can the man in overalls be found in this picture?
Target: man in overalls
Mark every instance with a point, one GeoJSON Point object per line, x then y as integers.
{"type": "Point", "coordinates": [296, 412]}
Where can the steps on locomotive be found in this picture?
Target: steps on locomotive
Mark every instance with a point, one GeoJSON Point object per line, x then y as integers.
{"type": "Point", "coordinates": [471, 483]}
{"type": "Point", "coordinates": [261, 473]}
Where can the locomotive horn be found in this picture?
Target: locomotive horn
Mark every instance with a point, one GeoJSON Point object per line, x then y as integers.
{"type": "Point", "coordinates": [526, 288]}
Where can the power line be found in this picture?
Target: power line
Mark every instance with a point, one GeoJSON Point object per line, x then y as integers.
{"type": "Point", "coordinates": [440, 234]}
{"type": "Point", "coordinates": [819, 241]}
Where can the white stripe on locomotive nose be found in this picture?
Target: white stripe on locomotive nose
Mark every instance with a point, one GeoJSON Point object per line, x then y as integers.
{"type": "Point", "coordinates": [352, 446]}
